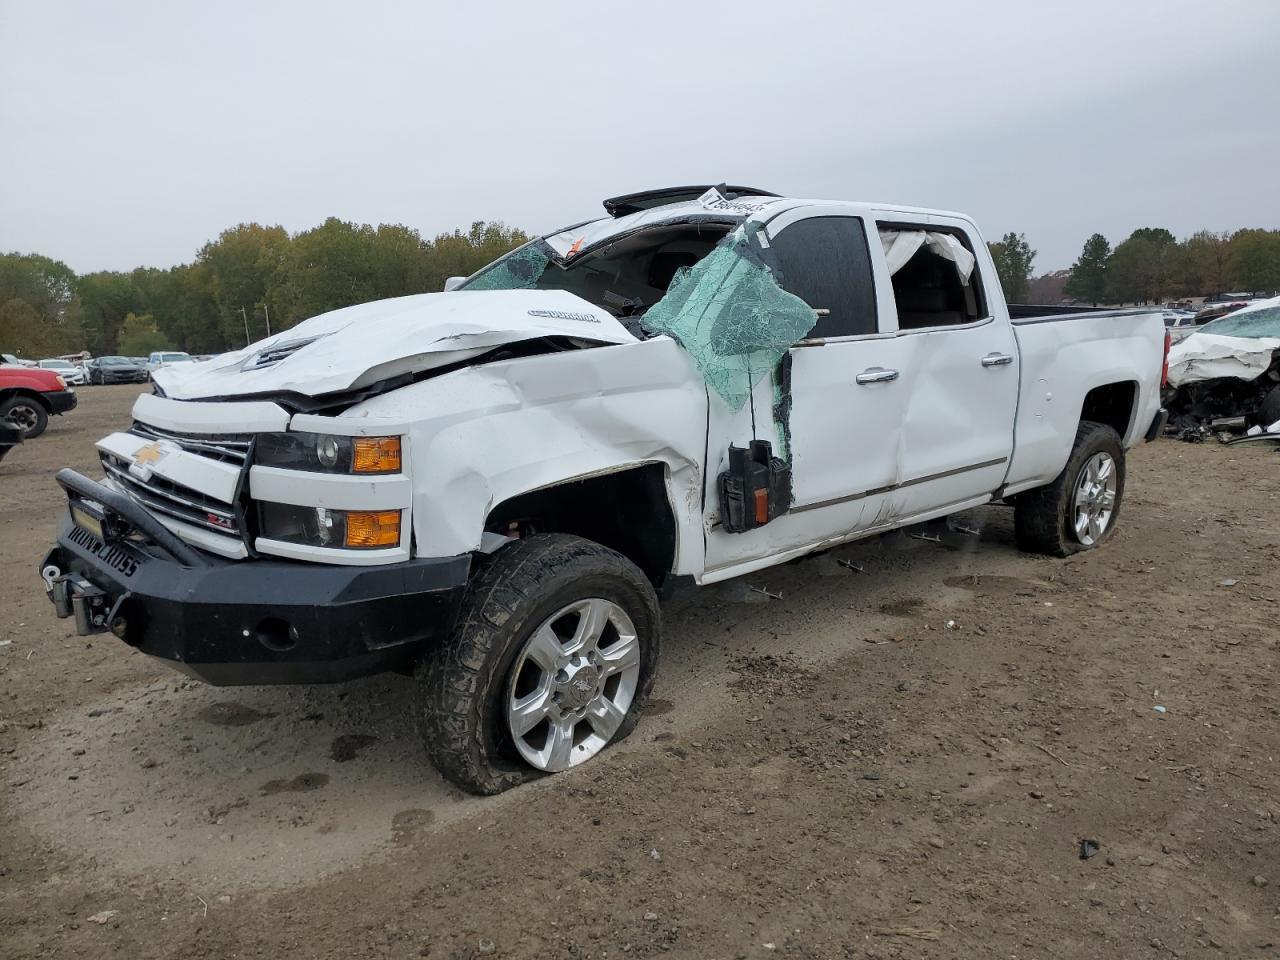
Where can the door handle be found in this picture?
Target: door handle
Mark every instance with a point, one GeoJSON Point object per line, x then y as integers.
{"type": "Point", "coordinates": [997, 359]}
{"type": "Point", "coordinates": [876, 375]}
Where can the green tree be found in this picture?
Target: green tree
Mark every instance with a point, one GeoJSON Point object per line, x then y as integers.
{"type": "Point", "coordinates": [1013, 257]}
{"type": "Point", "coordinates": [1206, 262]}
{"type": "Point", "coordinates": [48, 288]}
{"type": "Point", "coordinates": [242, 268]}
{"type": "Point", "coordinates": [106, 299]}
{"type": "Point", "coordinates": [1088, 279]}
{"type": "Point", "coordinates": [139, 336]}
{"type": "Point", "coordinates": [1157, 235]}
{"type": "Point", "coordinates": [1253, 260]}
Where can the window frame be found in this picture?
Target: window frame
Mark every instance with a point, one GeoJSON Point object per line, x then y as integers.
{"type": "Point", "coordinates": [980, 290]}
{"type": "Point", "coordinates": [795, 215]}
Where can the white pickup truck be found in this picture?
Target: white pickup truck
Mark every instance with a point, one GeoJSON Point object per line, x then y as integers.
{"type": "Point", "coordinates": [491, 486]}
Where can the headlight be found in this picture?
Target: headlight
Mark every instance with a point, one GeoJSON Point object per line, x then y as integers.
{"type": "Point", "coordinates": [320, 527]}
{"type": "Point", "coordinates": [62, 383]}
{"type": "Point", "coordinates": [326, 453]}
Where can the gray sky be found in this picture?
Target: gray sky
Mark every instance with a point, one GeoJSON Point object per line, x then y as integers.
{"type": "Point", "coordinates": [132, 132]}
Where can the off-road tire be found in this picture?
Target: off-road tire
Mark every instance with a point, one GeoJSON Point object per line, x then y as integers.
{"type": "Point", "coordinates": [462, 684]}
{"type": "Point", "coordinates": [1042, 517]}
{"type": "Point", "coordinates": [41, 415]}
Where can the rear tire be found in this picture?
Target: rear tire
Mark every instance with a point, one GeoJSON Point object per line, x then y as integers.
{"type": "Point", "coordinates": [467, 687]}
{"type": "Point", "coordinates": [1048, 519]}
{"type": "Point", "coordinates": [26, 414]}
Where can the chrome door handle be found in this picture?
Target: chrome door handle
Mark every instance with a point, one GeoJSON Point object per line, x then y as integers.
{"type": "Point", "coordinates": [997, 359]}
{"type": "Point", "coordinates": [876, 375]}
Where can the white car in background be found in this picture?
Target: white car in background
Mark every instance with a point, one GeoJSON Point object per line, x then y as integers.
{"type": "Point", "coordinates": [1179, 323]}
{"type": "Point", "coordinates": [166, 359]}
{"type": "Point", "coordinates": [69, 372]}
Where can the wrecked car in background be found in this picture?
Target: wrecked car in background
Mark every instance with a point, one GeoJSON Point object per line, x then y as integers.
{"type": "Point", "coordinates": [1225, 377]}
{"type": "Point", "coordinates": [489, 487]}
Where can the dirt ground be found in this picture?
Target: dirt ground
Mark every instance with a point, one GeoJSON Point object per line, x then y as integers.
{"type": "Point", "coordinates": [898, 758]}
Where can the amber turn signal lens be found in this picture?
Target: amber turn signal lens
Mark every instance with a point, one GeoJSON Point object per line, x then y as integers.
{"type": "Point", "coordinates": [375, 528]}
{"type": "Point", "coordinates": [377, 455]}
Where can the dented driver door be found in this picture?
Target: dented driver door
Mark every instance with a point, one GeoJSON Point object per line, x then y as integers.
{"type": "Point", "coordinates": [834, 407]}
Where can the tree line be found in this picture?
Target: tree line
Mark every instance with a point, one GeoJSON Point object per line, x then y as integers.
{"type": "Point", "coordinates": [250, 277]}
{"type": "Point", "coordinates": [253, 277]}
{"type": "Point", "coordinates": [1151, 266]}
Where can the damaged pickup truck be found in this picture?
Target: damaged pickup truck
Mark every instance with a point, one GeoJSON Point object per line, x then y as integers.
{"type": "Point", "coordinates": [491, 486]}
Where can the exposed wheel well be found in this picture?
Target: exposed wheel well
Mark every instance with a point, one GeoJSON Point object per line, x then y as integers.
{"type": "Point", "coordinates": [1112, 404]}
{"type": "Point", "coordinates": [627, 511]}
{"type": "Point", "coordinates": [29, 394]}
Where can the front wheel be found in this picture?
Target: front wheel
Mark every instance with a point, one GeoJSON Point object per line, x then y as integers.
{"type": "Point", "coordinates": [552, 660]}
{"type": "Point", "coordinates": [26, 414]}
{"type": "Point", "coordinates": [1079, 509]}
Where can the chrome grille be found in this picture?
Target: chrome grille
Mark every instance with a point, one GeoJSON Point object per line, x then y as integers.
{"type": "Point", "coordinates": [173, 499]}
{"type": "Point", "coordinates": [230, 448]}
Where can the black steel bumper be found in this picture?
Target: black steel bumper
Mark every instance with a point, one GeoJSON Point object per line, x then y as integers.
{"type": "Point", "coordinates": [249, 621]}
{"type": "Point", "coordinates": [60, 401]}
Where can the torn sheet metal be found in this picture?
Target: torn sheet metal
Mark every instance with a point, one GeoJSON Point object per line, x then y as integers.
{"type": "Point", "coordinates": [1206, 356]}
{"type": "Point", "coordinates": [729, 313]}
{"type": "Point", "coordinates": [356, 346]}
{"type": "Point", "coordinates": [901, 245]}
{"type": "Point", "coordinates": [481, 435]}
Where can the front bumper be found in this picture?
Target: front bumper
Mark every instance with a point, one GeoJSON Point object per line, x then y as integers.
{"type": "Point", "coordinates": [60, 401]}
{"type": "Point", "coordinates": [250, 621]}
{"type": "Point", "coordinates": [129, 376]}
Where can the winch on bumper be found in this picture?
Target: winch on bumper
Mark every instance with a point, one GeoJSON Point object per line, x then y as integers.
{"type": "Point", "coordinates": [117, 569]}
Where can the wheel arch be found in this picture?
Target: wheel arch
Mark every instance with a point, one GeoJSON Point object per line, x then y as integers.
{"type": "Point", "coordinates": [1113, 404]}
{"type": "Point", "coordinates": [628, 509]}
{"type": "Point", "coordinates": [10, 393]}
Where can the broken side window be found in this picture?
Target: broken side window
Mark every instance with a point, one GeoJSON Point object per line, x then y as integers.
{"type": "Point", "coordinates": [730, 315]}
{"type": "Point", "coordinates": [934, 283]}
{"type": "Point", "coordinates": [521, 269]}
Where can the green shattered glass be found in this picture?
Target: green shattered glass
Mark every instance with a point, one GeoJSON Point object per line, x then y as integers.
{"type": "Point", "coordinates": [519, 270]}
{"type": "Point", "coordinates": [729, 314]}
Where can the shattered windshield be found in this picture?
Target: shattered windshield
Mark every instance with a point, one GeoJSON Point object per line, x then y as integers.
{"type": "Point", "coordinates": [624, 276]}
{"type": "Point", "coordinates": [711, 285]}
{"type": "Point", "coordinates": [1252, 323]}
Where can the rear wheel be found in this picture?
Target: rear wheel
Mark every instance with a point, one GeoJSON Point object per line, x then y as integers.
{"type": "Point", "coordinates": [26, 414]}
{"type": "Point", "coordinates": [1079, 509]}
{"type": "Point", "coordinates": [552, 660]}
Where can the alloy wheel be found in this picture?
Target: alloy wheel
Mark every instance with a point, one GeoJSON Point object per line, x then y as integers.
{"type": "Point", "coordinates": [573, 683]}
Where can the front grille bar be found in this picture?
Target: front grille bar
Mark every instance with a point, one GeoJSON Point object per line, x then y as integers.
{"type": "Point", "coordinates": [235, 450]}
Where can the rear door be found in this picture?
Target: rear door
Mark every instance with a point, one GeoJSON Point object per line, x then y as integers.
{"type": "Point", "coordinates": [957, 425]}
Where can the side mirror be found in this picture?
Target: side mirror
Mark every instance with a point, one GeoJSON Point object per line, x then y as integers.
{"type": "Point", "coordinates": [453, 283]}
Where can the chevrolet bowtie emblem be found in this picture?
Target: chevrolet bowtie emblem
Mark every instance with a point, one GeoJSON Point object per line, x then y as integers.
{"type": "Point", "coordinates": [149, 454]}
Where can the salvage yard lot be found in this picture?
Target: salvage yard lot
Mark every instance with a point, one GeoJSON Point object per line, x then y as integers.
{"type": "Point", "coordinates": [898, 758]}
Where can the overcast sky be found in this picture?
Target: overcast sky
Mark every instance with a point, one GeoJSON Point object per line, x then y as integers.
{"type": "Point", "coordinates": [132, 132]}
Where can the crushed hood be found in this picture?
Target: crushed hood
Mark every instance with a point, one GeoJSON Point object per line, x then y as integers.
{"type": "Point", "coordinates": [362, 345]}
{"type": "Point", "coordinates": [1206, 356]}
